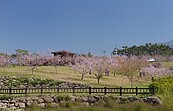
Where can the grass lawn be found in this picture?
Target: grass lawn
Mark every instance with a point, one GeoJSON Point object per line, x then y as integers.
{"type": "Point", "coordinates": [70, 75]}
{"type": "Point", "coordinates": [167, 64]}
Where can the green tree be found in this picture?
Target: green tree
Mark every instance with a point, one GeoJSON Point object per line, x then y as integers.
{"type": "Point", "coordinates": [22, 52]}
{"type": "Point", "coordinates": [147, 49]}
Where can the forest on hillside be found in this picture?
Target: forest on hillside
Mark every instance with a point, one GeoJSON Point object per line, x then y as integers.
{"type": "Point", "coordinates": [145, 50]}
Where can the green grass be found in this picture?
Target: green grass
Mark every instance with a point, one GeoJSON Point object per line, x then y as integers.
{"type": "Point", "coordinates": [167, 64]}
{"type": "Point", "coordinates": [67, 74]}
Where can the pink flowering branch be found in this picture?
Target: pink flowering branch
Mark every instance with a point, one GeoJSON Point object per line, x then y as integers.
{"type": "Point", "coordinates": [4, 61]}
{"type": "Point", "coordinates": [82, 65]}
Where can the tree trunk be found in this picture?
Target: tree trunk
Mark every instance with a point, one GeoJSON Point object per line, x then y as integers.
{"type": "Point", "coordinates": [56, 69]}
{"type": "Point", "coordinates": [82, 77]}
{"type": "Point", "coordinates": [4, 69]}
{"type": "Point", "coordinates": [21, 69]}
{"type": "Point", "coordinates": [131, 81]}
{"type": "Point", "coordinates": [32, 70]}
{"type": "Point", "coordinates": [98, 80]}
{"type": "Point", "coordinates": [122, 84]}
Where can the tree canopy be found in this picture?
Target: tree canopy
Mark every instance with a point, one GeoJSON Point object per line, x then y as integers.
{"type": "Point", "coordinates": [147, 49]}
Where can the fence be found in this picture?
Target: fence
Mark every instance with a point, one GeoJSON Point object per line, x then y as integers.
{"type": "Point", "coordinates": [42, 90]}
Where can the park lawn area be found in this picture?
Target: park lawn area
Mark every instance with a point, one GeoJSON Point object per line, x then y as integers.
{"type": "Point", "coordinates": [69, 75]}
{"type": "Point", "coordinates": [167, 64]}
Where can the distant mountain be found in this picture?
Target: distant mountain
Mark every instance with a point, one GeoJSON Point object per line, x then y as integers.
{"type": "Point", "coordinates": [170, 43]}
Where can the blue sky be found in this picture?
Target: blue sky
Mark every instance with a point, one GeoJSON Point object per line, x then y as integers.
{"type": "Point", "coordinates": [83, 26]}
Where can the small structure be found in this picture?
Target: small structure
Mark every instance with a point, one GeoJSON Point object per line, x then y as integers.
{"type": "Point", "coordinates": [66, 57]}
{"type": "Point", "coordinates": [63, 53]}
{"type": "Point", "coordinates": [151, 60]}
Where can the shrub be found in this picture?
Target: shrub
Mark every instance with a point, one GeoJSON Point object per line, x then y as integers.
{"type": "Point", "coordinates": [63, 104]}
{"type": "Point", "coordinates": [69, 104]}
{"type": "Point", "coordinates": [60, 97]}
{"type": "Point", "coordinates": [23, 80]}
{"type": "Point", "coordinates": [46, 81]}
{"type": "Point", "coordinates": [109, 103]}
{"type": "Point", "coordinates": [67, 97]}
{"type": "Point", "coordinates": [16, 84]}
{"type": "Point", "coordinates": [5, 97]}
{"type": "Point", "coordinates": [63, 97]}
{"type": "Point", "coordinates": [163, 85]}
{"type": "Point", "coordinates": [34, 83]}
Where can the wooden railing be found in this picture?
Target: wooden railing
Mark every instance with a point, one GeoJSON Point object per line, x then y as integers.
{"type": "Point", "coordinates": [56, 90]}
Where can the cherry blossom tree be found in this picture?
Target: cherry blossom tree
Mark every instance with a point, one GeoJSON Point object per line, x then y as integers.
{"type": "Point", "coordinates": [20, 60]}
{"type": "Point", "coordinates": [96, 65]}
{"type": "Point", "coordinates": [99, 66]}
{"type": "Point", "coordinates": [56, 62]}
{"type": "Point", "coordinates": [4, 61]}
{"type": "Point", "coordinates": [82, 65]}
{"type": "Point", "coordinates": [130, 66]}
{"type": "Point", "coordinates": [30, 60]}
{"type": "Point", "coordinates": [153, 71]}
{"type": "Point", "coordinates": [114, 65]}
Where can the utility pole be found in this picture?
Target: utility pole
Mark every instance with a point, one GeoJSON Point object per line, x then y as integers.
{"type": "Point", "coordinates": [115, 51]}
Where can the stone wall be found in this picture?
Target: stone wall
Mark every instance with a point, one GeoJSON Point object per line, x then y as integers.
{"type": "Point", "coordinates": [21, 82]}
{"type": "Point", "coordinates": [18, 103]}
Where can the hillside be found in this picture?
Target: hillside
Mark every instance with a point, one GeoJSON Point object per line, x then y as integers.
{"type": "Point", "coordinates": [69, 75]}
